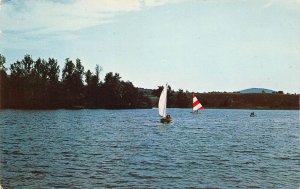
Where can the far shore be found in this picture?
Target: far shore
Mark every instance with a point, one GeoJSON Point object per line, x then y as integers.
{"type": "Point", "coordinates": [83, 108]}
{"type": "Point", "coordinates": [208, 100]}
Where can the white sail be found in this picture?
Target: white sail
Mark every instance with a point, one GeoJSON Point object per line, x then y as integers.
{"type": "Point", "coordinates": [162, 103]}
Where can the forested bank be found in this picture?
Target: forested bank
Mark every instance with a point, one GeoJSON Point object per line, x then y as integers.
{"type": "Point", "coordinates": [41, 84]}
{"type": "Point", "coordinates": [36, 84]}
{"type": "Point", "coordinates": [250, 101]}
{"type": "Point", "coordinates": [276, 101]}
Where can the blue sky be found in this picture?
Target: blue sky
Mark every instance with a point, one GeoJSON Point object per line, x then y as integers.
{"type": "Point", "coordinates": [209, 45]}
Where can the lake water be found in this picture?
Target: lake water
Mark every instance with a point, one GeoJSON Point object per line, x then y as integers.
{"type": "Point", "coordinates": [131, 149]}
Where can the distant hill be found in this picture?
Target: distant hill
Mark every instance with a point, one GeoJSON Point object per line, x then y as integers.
{"type": "Point", "coordinates": [256, 90]}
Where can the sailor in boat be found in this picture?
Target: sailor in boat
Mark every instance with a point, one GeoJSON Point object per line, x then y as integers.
{"type": "Point", "coordinates": [252, 114]}
{"type": "Point", "coordinates": [166, 119]}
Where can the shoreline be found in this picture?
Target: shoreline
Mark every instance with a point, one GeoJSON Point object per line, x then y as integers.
{"type": "Point", "coordinates": [229, 108]}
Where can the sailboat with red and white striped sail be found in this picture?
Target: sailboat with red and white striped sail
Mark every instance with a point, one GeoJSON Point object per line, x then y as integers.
{"type": "Point", "coordinates": [196, 105]}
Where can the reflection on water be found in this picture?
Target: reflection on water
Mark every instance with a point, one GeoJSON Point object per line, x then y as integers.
{"type": "Point", "coordinates": [130, 148]}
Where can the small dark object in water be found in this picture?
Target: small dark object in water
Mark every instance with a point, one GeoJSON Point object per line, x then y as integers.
{"type": "Point", "coordinates": [252, 114]}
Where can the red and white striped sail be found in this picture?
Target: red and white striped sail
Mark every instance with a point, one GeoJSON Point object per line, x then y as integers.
{"type": "Point", "coordinates": [196, 104]}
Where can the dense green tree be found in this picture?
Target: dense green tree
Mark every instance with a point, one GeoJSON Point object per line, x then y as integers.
{"type": "Point", "coordinates": [79, 71]}
{"type": "Point", "coordinates": [92, 89]}
{"type": "Point", "coordinates": [53, 85]}
{"type": "Point", "coordinates": [35, 84]}
{"type": "Point", "coordinates": [129, 95]}
{"type": "Point", "coordinates": [40, 70]}
{"type": "Point", "coordinates": [68, 70]}
{"type": "Point", "coordinates": [182, 99]}
{"type": "Point", "coordinates": [143, 101]}
{"type": "Point", "coordinates": [52, 70]}
{"type": "Point", "coordinates": [111, 90]}
{"type": "Point", "coordinates": [88, 77]}
{"type": "Point", "coordinates": [28, 64]}
{"type": "Point", "coordinates": [116, 93]}
{"type": "Point", "coordinates": [72, 83]}
{"type": "Point", "coordinates": [171, 98]}
{"type": "Point", "coordinates": [156, 92]}
{"type": "Point", "coordinates": [22, 83]}
{"type": "Point", "coordinates": [38, 81]}
{"type": "Point", "coordinates": [3, 83]}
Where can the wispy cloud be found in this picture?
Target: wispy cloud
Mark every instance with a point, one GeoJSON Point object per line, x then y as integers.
{"type": "Point", "coordinates": [268, 4]}
{"type": "Point", "coordinates": [43, 16]}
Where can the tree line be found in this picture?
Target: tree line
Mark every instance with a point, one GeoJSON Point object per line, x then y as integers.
{"type": "Point", "coordinates": [36, 84]}
{"type": "Point", "coordinates": [181, 99]}
{"type": "Point", "coordinates": [40, 84]}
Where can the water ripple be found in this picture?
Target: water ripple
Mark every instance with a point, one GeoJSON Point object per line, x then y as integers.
{"type": "Point", "coordinates": [131, 149]}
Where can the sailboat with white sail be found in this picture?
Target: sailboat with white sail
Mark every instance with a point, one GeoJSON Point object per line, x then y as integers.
{"type": "Point", "coordinates": [162, 106]}
{"type": "Point", "coordinates": [196, 104]}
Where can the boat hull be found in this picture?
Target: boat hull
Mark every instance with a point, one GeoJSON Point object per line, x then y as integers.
{"type": "Point", "coordinates": [165, 120]}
